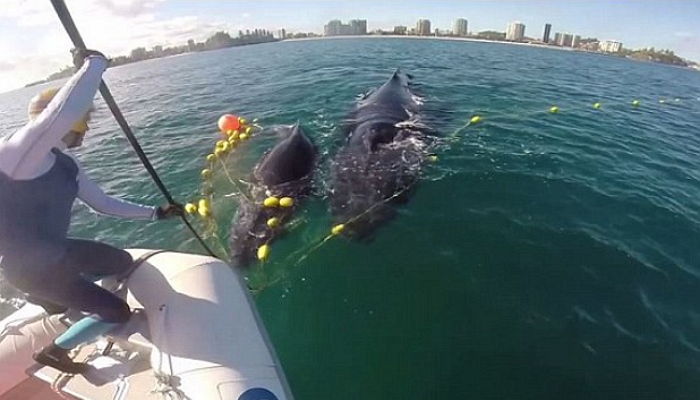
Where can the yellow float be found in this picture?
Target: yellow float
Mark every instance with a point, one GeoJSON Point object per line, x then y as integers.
{"type": "Point", "coordinates": [286, 202]}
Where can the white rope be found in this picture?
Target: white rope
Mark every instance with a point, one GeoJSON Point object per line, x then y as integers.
{"type": "Point", "coordinates": [166, 383]}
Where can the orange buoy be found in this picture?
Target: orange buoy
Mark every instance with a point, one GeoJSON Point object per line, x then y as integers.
{"type": "Point", "coordinates": [228, 122]}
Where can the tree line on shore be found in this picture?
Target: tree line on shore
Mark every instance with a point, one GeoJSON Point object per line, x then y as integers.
{"type": "Point", "coordinates": [651, 54]}
{"type": "Point", "coordinates": [218, 40]}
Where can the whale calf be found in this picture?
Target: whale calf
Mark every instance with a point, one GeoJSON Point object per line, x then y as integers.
{"type": "Point", "coordinates": [284, 171]}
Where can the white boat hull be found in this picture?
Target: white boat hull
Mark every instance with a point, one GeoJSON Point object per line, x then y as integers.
{"type": "Point", "coordinates": [205, 340]}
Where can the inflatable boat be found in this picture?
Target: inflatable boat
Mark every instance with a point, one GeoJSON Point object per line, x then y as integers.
{"type": "Point", "coordinates": [195, 334]}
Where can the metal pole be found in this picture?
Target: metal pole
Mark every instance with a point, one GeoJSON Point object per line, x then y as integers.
{"type": "Point", "coordinates": [72, 30]}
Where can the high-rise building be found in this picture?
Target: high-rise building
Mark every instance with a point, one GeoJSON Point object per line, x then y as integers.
{"type": "Point", "coordinates": [567, 40]}
{"type": "Point", "coordinates": [610, 46]}
{"type": "Point", "coordinates": [515, 31]}
{"type": "Point", "coordinates": [460, 27]}
{"type": "Point", "coordinates": [358, 26]}
{"type": "Point", "coordinates": [576, 42]}
{"type": "Point", "coordinates": [332, 28]}
{"type": "Point", "coordinates": [282, 34]}
{"type": "Point", "coordinates": [423, 27]}
{"type": "Point", "coordinates": [557, 39]}
{"type": "Point", "coordinates": [547, 30]}
{"type": "Point", "coordinates": [400, 30]}
{"type": "Point", "coordinates": [589, 46]}
{"type": "Point", "coordinates": [354, 27]}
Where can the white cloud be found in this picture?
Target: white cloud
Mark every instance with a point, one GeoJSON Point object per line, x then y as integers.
{"type": "Point", "coordinates": [683, 34]}
{"type": "Point", "coordinates": [6, 66]}
{"type": "Point", "coordinates": [26, 12]}
{"type": "Point", "coordinates": [40, 45]}
{"type": "Point", "coordinates": [128, 8]}
{"type": "Point", "coordinates": [39, 12]}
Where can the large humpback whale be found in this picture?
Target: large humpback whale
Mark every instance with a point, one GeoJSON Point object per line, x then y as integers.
{"type": "Point", "coordinates": [284, 171]}
{"type": "Point", "coordinates": [385, 145]}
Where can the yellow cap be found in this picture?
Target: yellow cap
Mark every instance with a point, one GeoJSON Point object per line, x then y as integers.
{"type": "Point", "coordinates": [39, 103]}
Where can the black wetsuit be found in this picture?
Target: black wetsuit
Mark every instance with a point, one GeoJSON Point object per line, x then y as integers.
{"type": "Point", "coordinates": [37, 256]}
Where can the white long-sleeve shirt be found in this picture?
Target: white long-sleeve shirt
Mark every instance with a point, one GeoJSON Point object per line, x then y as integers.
{"type": "Point", "coordinates": [27, 155]}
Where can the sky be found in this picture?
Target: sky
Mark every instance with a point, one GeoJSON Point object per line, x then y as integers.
{"type": "Point", "coordinates": [34, 45]}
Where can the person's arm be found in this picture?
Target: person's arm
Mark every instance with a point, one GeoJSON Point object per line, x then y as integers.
{"type": "Point", "coordinates": [24, 153]}
{"type": "Point", "coordinates": [93, 196]}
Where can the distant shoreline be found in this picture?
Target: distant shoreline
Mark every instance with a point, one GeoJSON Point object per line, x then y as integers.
{"type": "Point", "coordinates": [471, 39]}
{"type": "Point", "coordinates": [447, 38]}
{"type": "Point", "coordinates": [410, 37]}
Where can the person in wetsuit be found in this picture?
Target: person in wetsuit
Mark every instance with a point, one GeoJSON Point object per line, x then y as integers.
{"type": "Point", "coordinates": [39, 183]}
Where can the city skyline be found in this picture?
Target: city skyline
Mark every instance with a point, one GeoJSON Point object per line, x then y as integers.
{"type": "Point", "coordinates": [515, 32]}
{"type": "Point", "coordinates": [43, 48]}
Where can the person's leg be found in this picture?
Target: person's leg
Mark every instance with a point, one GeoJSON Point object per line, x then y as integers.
{"type": "Point", "coordinates": [49, 307]}
{"type": "Point", "coordinates": [95, 260]}
{"type": "Point", "coordinates": [92, 260]}
{"type": "Point", "coordinates": [108, 312]}
{"type": "Point", "coordinates": [106, 308]}
{"type": "Point", "coordinates": [69, 286]}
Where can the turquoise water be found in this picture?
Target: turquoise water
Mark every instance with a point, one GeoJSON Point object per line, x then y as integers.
{"type": "Point", "coordinates": [543, 256]}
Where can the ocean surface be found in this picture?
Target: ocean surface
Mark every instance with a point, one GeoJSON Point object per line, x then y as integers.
{"type": "Point", "coordinates": [542, 256]}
